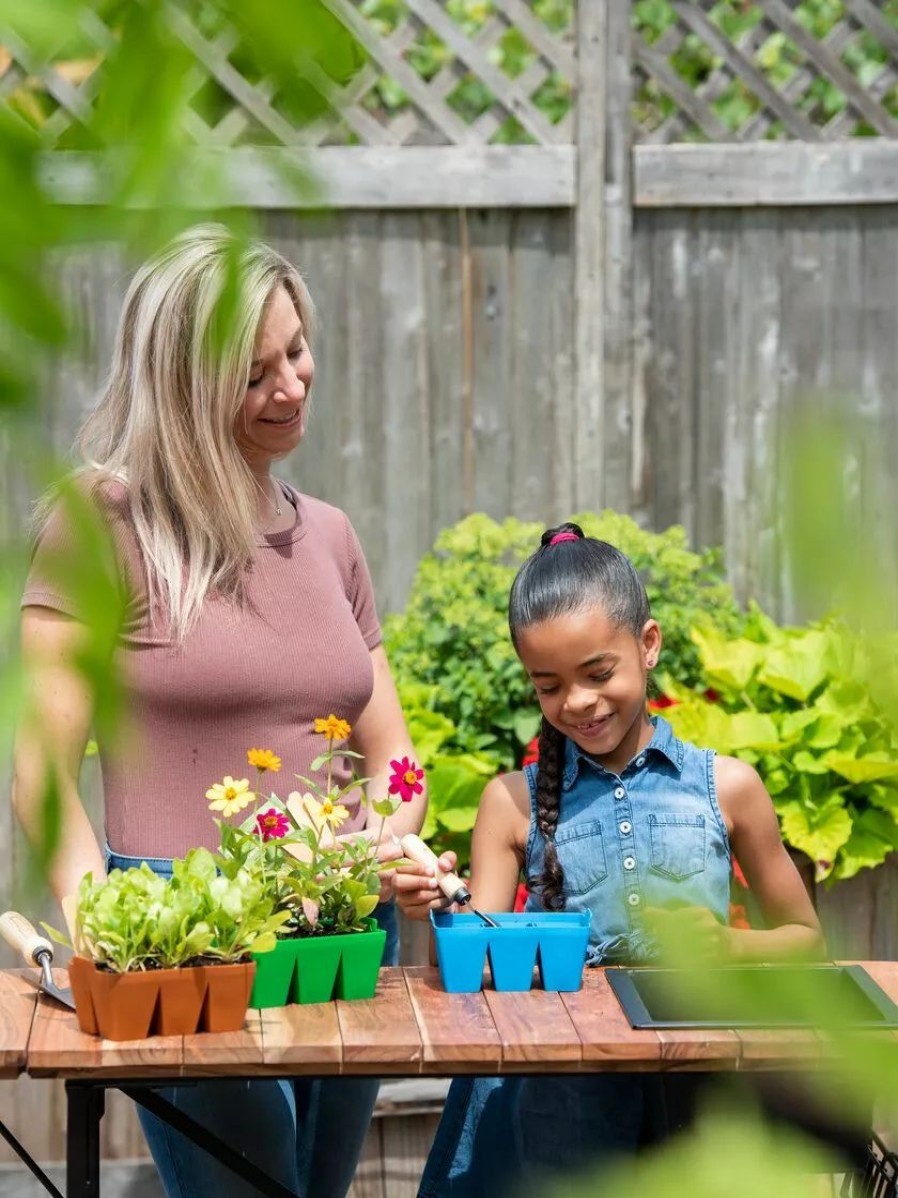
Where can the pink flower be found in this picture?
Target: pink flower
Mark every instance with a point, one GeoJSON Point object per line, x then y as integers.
{"type": "Point", "coordinates": [272, 824]}
{"type": "Point", "coordinates": [405, 780]}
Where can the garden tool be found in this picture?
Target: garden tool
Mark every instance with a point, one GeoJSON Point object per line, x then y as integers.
{"type": "Point", "coordinates": [450, 884]}
{"type": "Point", "coordinates": [20, 935]}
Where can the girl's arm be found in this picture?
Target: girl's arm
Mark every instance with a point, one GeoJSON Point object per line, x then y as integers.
{"type": "Point", "coordinates": [497, 854]}
{"type": "Point", "coordinates": [50, 745]}
{"type": "Point", "coordinates": [793, 930]}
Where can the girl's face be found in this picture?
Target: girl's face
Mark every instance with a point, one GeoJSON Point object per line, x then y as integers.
{"type": "Point", "coordinates": [590, 679]}
{"type": "Point", "coordinates": [272, 421]}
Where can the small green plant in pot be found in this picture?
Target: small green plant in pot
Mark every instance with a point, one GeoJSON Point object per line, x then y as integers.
{"type": "Point", "coordinates": [325, 885]}
{"type": "Point", "coordinates": [168, 955]}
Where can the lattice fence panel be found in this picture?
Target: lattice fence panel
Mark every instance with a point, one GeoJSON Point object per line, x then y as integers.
{"type": "Point", "coordinates": [744, 70]}
{"type": "Point", "coordinates": [453, 72]}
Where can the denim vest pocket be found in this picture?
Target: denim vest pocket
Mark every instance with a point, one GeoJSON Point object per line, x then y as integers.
{"type": "Point", "coordinates": [678, 845]}
{"type": "Point", "coordinates": [581, 853]}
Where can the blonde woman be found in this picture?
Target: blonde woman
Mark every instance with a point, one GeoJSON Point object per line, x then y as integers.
{"type": "Point", "coordinates": [250, 612]}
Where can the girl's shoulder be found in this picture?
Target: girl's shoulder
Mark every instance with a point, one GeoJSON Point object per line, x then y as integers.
{"type": "Point", "coordinates": [506, 800]}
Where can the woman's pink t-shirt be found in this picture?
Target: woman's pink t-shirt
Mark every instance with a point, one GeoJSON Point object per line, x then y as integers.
{"type": "Point", "coordinates": [250, 676]}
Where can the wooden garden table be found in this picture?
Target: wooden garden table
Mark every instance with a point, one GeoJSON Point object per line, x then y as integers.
{"type": "Point", "coordinates": [411, 1027]}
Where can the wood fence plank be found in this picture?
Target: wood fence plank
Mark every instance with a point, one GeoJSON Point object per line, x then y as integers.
{"type": "Point", "coordinates": [608, 1040]}
{"type": "Point", "coordinates": [535, 1029]}
{"type": "Point", "coordinates": [590, 229]}
{"type": "Point", "coordinates": [456, 1029]}
{"type": "Point", "coordinates": [493, 411]}
{"type": "Point", "coordinates": [380, 1035]}
{"type": "Point", "coordinates": [786, 174]}
{"type": "Point", "coordinates": [302, 1038]}
{"type": "Point", "coordinates": [405, 1144]}
{"type": "Point", "coordinates": [18, 1000]}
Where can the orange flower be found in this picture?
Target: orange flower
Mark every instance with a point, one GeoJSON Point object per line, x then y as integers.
{"type": "Point", "coordinates": [333, 728]}
{"type": "Point", "coordinates": [263, 759]}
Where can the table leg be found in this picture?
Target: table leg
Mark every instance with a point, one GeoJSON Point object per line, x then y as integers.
{"type": "Point", "coordinates": [86, 1103]}
{"type": "Point", "coordinates": [205, 1139]}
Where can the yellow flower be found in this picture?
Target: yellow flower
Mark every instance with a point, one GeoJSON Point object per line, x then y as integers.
{"type": "Point", "coordinates": [263, 759]}
{"type": "Point", "coordinates": [333, 728]}
{"type": "Point", "coordinates": [326, 813]}
{"type": "Point", "coordinates": [229, 796]}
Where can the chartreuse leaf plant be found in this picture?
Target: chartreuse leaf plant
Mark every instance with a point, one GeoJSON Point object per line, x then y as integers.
{"type": "Point", "coordinates": [136, 920]}
{"type": "Point", "coordinates": [795, 704]}
{"type": "Point", "coordinates": [321, 883]}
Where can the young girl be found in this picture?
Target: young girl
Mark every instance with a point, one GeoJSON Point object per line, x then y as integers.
{"type": "Point", "coordinates": [619, 818]}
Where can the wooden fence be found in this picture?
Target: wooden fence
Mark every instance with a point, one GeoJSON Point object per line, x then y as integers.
{"type": "Point", "coordinates": [532, 306]}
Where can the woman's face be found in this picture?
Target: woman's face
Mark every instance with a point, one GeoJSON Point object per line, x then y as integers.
{"type": "Point", "coordinates": [272, 421]}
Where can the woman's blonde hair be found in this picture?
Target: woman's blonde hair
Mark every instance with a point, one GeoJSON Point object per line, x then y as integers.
{"type": "Point", "coordinates": [164, 426]}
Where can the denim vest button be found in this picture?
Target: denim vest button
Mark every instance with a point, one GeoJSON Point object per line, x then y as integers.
{"type": "Point", "coordinates": [629, 862]}
{"type": "Point", "coordinates": [633, 900]}
{"type": "Point", "coordinates": [619, 792]}
{"type": "Point", "coordinates": [626, 827]}
{"type": "Point", "coordinates": [640, 761]}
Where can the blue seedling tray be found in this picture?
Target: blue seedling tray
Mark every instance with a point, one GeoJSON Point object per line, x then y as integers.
{"type": "Point", "coordinates": [553, 941]}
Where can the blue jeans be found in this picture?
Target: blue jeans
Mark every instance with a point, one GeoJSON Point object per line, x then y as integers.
{"type": "Point", "coordinates": [301, 1130]}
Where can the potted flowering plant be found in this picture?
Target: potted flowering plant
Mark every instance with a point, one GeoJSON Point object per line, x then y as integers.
{"type": "Point", "coordinates": [168, 955]}
{"type": "Point", "coordinates": [325, 886]}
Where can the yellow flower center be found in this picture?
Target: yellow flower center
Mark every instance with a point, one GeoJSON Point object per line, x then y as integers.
{"type": "Point", "coordinates": [327, 807]}
{"type": "Point", "coordinates": [230, 793]}
{"type": "Point", "coordinates": [410, 777]}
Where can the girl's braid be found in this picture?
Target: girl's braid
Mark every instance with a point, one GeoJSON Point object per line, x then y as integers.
{"type": "Point", "coordinates": [550, 884]}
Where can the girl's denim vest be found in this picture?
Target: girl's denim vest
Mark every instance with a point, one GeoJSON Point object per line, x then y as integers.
{"type": "Point", "coordinates": [653, 836]}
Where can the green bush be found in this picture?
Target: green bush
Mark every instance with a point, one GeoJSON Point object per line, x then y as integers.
{"type": "Point", "coordinates": [453, 636]}
{"type": "Point", "coordinates": [801, 705]}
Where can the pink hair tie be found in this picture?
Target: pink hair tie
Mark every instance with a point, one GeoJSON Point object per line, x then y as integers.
{"type": "Point", "coordinates": [564, 536]}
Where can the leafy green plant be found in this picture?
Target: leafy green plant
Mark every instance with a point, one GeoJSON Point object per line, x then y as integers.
{"type": "Point", "coordinates": [136, 920]}
{"type": "Point", "coordinates": [453, 635]}
{"type": "Point", "coordinates": [796, 704]}
{"type": "Point", "coordinates": [455, 778]}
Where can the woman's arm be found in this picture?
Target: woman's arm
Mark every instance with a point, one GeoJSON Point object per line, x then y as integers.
{"type": "Point", "coordinates": [50, 745]}
{"type": "Point", "coordinates": [793, 930]}
{"type": "Point", "coordinates": [381, 736]}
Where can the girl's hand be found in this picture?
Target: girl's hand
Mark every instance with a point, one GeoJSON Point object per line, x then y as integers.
{"type": "Point", "coordinates": [689, 936]}
{"type": "Point", "coordinates": [416, 891]}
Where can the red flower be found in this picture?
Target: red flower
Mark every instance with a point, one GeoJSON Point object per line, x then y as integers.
{"type": "Point", "coordinates": [661, 701]}
{"type": "Point", "coordinates": [521, 896]}
{"type": "Point", "coordinates": [738, 916]}
{"type": "Point", "coordinates": [738, 875]}
{"type": "Point", "coordinates": [711, 695]}
{"type": "Point", "coordinates": [405, 780]}
{"type": "Point", "coordinates": [272, 824]}
{"type": "Point", "coordinates": [531, 753]}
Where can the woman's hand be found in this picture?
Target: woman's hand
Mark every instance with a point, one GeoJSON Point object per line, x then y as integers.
{"type": "Point", "coordinates": [416, 888]}
{"type": "Point", "coordinates": [689, 936]}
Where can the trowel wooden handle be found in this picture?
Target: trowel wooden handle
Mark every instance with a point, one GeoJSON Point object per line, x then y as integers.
{"type": "Point", "coordinates": [450, 884]}
{"type": "Point", "coordinates": [20, 935]}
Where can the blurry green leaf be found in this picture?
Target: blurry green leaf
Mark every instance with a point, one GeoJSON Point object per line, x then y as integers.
{"type": "Point", "coordinates": [820, 833]}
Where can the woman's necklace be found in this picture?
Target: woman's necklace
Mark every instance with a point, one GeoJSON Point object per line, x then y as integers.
{"type": "Point", "coordinates": [275, 503]}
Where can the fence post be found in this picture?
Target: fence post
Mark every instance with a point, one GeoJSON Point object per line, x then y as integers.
{"type": "Point", "coordinates": [603, 260]}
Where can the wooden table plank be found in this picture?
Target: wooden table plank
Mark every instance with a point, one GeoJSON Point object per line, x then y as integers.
{"type": "Point", "coordinates": [535, 1029]}
{"type": "Point", "coordinates": [778, 1048]}
{"type": "Point", "coordinates": [704, 1049]}
{"type": "Point", "coordinates": [18, 1000]}
{"type": "Point", "coordinates": [58, 1048]}
{"type": "Point", "coordinates": [848, 1045]}
{"type": "Point", "coordinates": [457, 1030]}
{"type": "Point", "coordinates": [226, 1054]}
{"type": "Point", "coordinates": [302, 1038]}
{"type": "Point", "coordinates": [380, 1034]}
{"type": "Point", "coordinates": [608, 1041]}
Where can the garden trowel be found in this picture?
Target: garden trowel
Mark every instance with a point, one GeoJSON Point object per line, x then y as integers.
{"type": "Point", "coordinates": [19, 933]}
